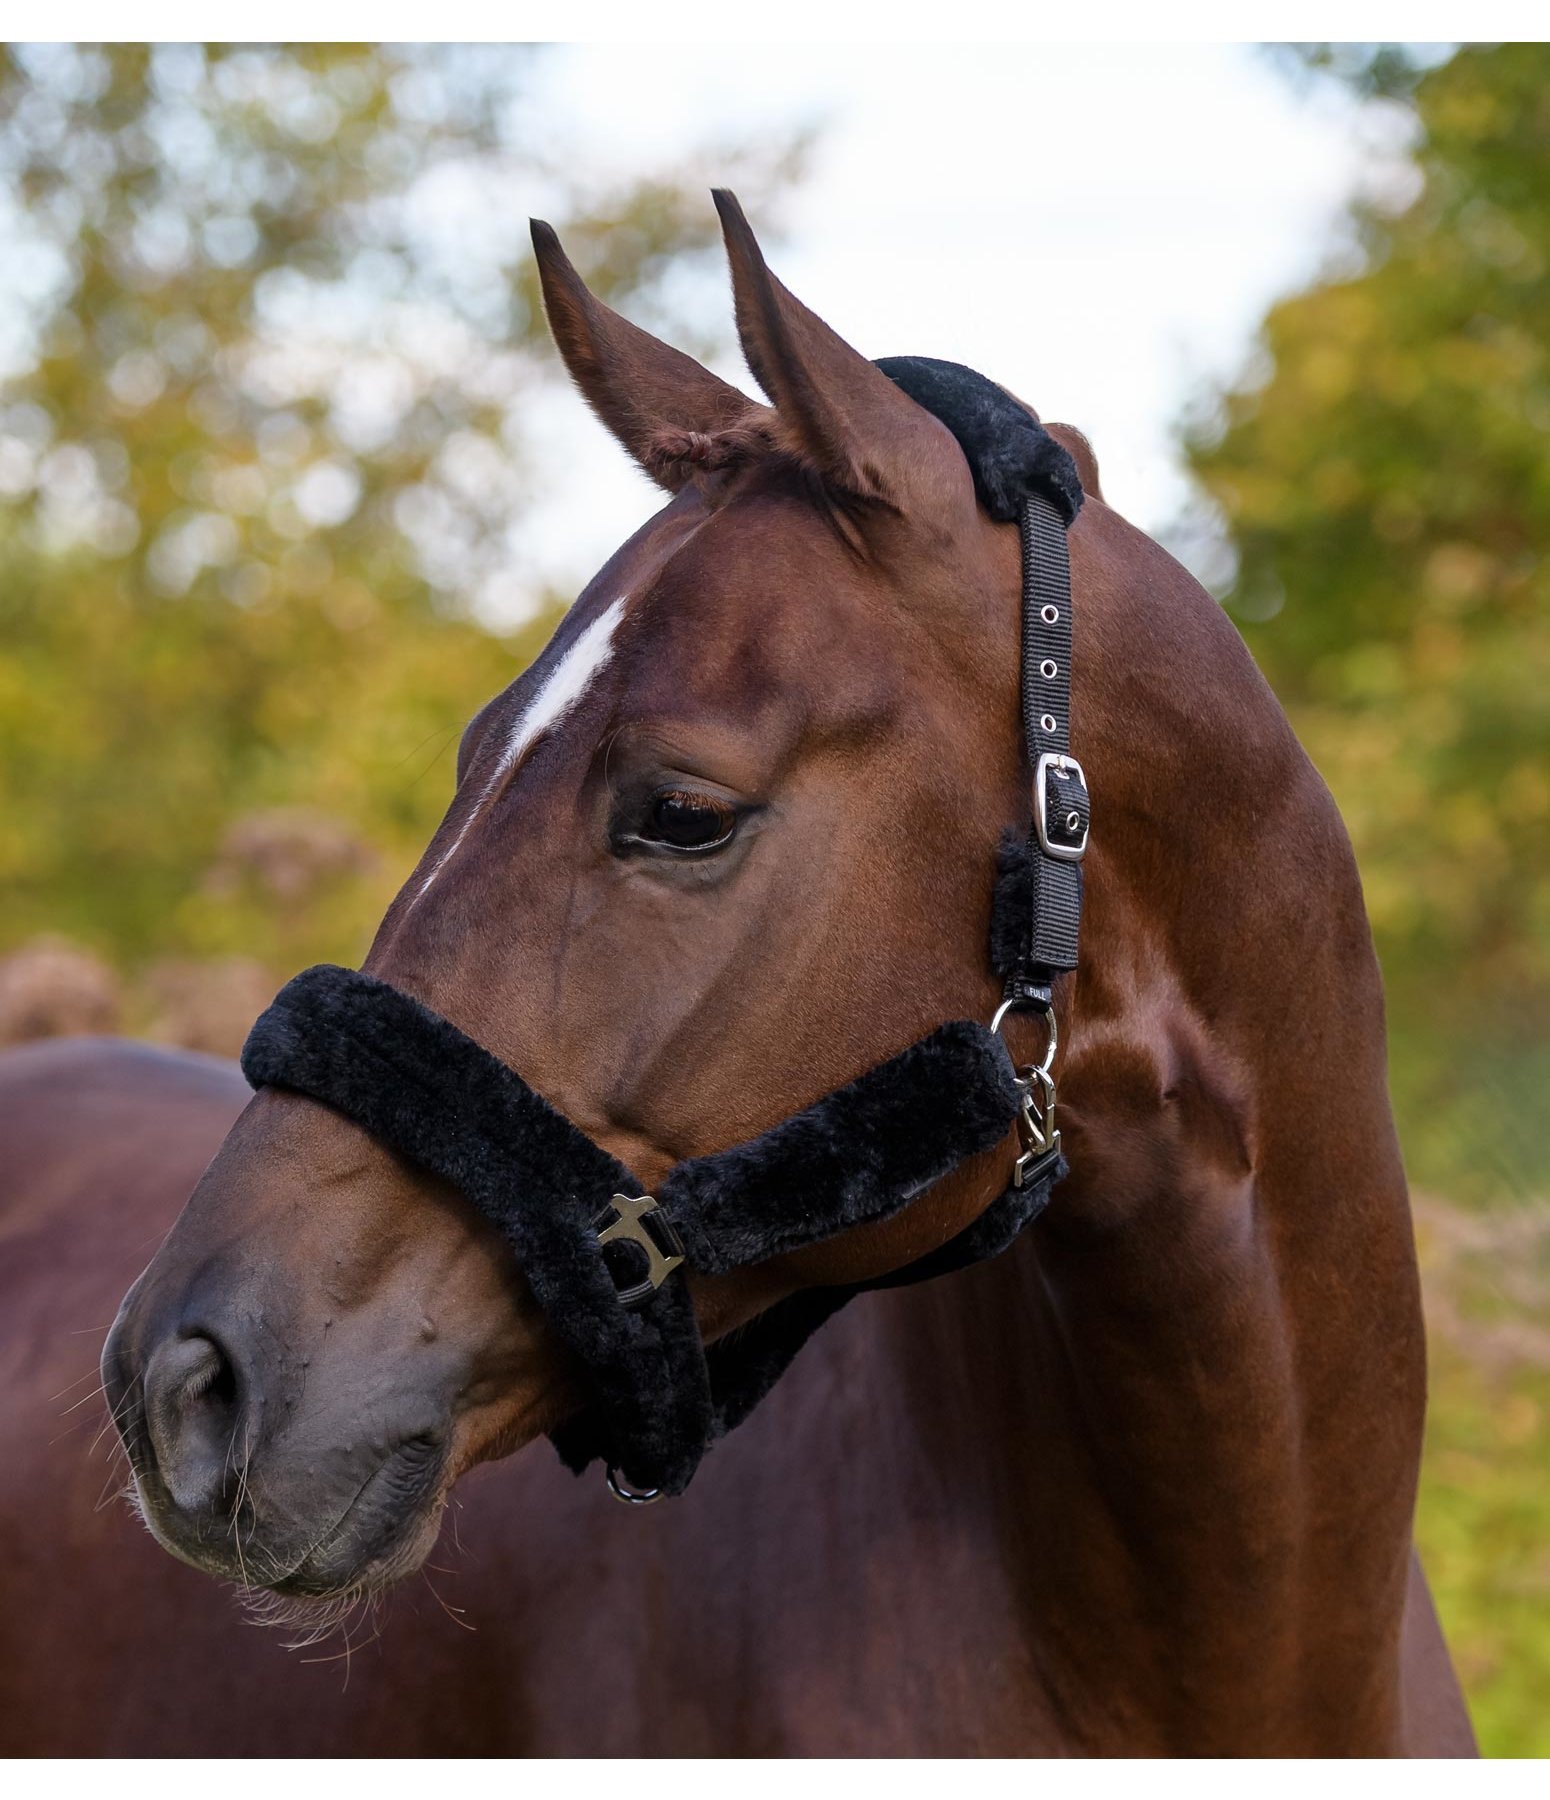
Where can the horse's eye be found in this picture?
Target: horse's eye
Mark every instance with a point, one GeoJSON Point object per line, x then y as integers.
{"type": "Point", "coordinates": [688, 821]}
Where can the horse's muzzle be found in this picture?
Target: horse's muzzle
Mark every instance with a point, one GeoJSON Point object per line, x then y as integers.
{"type": "Point", "coordinates": [230, 1481]}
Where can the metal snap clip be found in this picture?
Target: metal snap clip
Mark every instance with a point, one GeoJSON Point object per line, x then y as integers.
{"type": "Point", "coordinates": [1036, 1134]}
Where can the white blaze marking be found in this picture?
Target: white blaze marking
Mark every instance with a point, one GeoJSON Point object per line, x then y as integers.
{"type": "Point", "coordinates": [565, 686]}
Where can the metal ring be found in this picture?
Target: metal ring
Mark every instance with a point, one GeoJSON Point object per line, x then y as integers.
{"type": "Point", "coordinates": [1047, 723]}
{"type": "Point", "coordinates": [1023, 1003]}
{"type": "Point", "coordinates": [1048, 669]}
{"type": "Point", "coordinates": [1050, 614]}
{"type": "Point", "coordinates": [623, 1489]}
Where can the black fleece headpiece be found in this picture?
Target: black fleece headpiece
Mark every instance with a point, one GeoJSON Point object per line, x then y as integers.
{"type": "Point", "coordinates": [599, 1255]}
{"type": "Point", "coordinates": [1009, 452]}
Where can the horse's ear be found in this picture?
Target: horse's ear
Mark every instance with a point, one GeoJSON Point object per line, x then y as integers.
{"type": "Point", "coordinates": [637, 385]}
{"type": "Point", "coordinates": [863, 434]}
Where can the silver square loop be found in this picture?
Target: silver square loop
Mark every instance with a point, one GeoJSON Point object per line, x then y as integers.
{"type": "Point", "coordinates": [1069, 776]}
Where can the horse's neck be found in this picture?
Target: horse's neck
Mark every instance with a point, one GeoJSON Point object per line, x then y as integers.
{"type": "Point", "coordinates": [1145, 1481]}
{"type": "Point", "coordinates": [1187, 1408]}
{"type": "Point", "coordinates": [1186, 1438]}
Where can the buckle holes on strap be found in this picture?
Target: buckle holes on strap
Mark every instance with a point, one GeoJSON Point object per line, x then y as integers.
{"type": "Point", "coordinates": [1050, 614]}
{"type": "Point", "coordinates": [1047, 723]}
{"type": "Point", "coordinates": [1048, 669]}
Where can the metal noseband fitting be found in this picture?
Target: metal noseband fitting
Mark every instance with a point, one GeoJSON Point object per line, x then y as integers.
{"type": "Point", "coordinates": [638, 1220]}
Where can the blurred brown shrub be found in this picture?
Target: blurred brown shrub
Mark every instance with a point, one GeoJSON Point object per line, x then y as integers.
{"type": "Point", "coordinates": [298, 866]}
{"type": "Point", "coordinates": [52, 988]}
{"type": "Point", "coordinates": [206, 1004]}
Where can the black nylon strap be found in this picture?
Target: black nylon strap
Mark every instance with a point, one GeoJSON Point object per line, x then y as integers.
{"type": "Point", "coordinates": [1060, 795]}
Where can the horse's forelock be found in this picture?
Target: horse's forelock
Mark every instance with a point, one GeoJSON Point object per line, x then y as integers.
{"type": "Point", "coordinates": [674, 456]}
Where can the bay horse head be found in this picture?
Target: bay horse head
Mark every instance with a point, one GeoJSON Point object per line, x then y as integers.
{"type": "Point", "coordinates": [728, 843]}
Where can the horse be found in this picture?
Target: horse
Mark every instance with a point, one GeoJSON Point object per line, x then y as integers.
{"type": "Point", "coordinates": [1142, 1484]}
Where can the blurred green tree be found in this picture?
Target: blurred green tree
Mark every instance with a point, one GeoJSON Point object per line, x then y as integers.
{"type": "Point", "coordinates": [1384, 478]}
{"type": "Point", "coordinates": [269, 328]}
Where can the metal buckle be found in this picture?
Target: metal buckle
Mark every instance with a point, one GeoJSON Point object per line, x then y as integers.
{"type": "Point", "coordinates": [623, 1220]}
{"type": "Point", "coordinates": [1036, 1132]}
{"type": "Point", "coordinates": [1067, 766]}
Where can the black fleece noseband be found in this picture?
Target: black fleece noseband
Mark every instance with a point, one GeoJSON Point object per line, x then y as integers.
{"type": "Point", "coordinates": [602, 1256]}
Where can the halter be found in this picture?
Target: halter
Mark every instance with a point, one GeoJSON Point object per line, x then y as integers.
{"type": "Point", "coordinates": [607, 1261]}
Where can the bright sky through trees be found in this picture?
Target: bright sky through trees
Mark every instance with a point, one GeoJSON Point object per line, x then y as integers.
{"type": "Point", "coordinates": [1100, 228]}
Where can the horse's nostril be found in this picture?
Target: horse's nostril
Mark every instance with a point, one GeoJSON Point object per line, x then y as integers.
{"type": "Point", "coordinates": [193, 1402]}
{"type": "Point", "coordinates": [212, 1378]}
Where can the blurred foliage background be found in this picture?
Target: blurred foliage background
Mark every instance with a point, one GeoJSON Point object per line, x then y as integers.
{"type": "Point", "coordinates": [263, 471]}
{"type": "Point", "coordinates": [1382, 472]}
{"type": "Point", "coordinates": [1385, 479]}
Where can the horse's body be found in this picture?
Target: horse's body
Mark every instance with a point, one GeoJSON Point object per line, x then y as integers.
{"type": "Point", "coordinates": [1144, 1484]}
{"type": "Point", "coordinates": [866, 1568]}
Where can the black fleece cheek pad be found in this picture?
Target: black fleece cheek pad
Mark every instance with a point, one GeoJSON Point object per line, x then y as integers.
{"type": "Point", "coordinates": [420, 1086]}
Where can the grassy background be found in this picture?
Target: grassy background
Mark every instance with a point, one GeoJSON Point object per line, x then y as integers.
{"type": "Point", "coordinates": [1484, 1517]}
